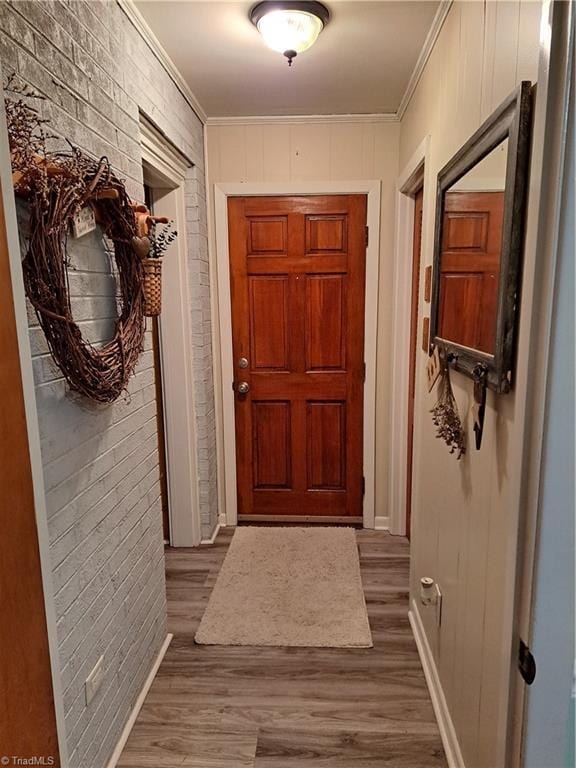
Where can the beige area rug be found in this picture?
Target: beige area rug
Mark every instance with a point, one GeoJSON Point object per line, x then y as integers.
{"type": "Point", "coordinates": [288, 587]}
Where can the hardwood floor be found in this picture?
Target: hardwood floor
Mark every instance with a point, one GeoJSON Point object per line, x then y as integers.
{"type": "Point", "coordinates": [218, 707]}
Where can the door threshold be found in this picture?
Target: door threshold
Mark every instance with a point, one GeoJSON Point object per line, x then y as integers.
{"type": "Point", "coordinates": [346, 519]}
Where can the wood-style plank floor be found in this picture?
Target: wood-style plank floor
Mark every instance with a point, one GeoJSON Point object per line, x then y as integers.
{"type": "Point", "coordinates": [218, 707]}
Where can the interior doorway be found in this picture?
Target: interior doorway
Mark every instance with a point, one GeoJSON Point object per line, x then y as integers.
{"type": "Point", "coordinates": [414, 295]}
{"type": "Point", "coordinates": [227, 373]}
{"type": "Point", "coordinates": [159, 388]}
{"type": "Point", "coordinates": [297, 267]}
{"type": "Point", "coordinates": [166, 172]}
{"type": "Point", "coordinates": [413, 225]}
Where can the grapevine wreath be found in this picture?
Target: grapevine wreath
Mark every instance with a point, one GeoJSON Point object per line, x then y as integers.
{"type": "Point", "coordinates": [56, 186]}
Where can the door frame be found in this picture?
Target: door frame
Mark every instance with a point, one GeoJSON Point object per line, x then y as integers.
{"type": "Point", "coordinates": [175, 333]}
{"type": "Point", "coordinates": [413, 177]}
{"type": "Point", "coordinates": [227, 434]}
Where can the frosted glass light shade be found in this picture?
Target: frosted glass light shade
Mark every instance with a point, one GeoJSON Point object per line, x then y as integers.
{"type": "Point", "coordinates": [285, 30]}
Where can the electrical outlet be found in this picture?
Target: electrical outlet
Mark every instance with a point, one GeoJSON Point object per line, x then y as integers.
{"type": "Point", "coordinates": [94, 680]}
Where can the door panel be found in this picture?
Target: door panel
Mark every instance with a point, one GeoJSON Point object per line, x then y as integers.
{"type": "Point", "coordinates": [471, 244]}
{"type": "Point", "coordinates": [326, 234]}
{"type": "Point", "coordinates": [326, 436]}
{"type": "Point", "coordinates": [268, 322]}
{"type": "Point", "coordinates": [297, 267]}
{"type": "Point", "coordinates": [325, 322]}
{"type": "Point", "coordinates": [272, 438]}
{"type": "Point", "coordinates": [267, 235]}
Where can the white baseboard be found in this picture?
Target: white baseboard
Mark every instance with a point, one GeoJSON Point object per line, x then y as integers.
{"type": "Point", "coordinates": [222, 520]}
{"type": "Point", "coordinates": [138, 704]}
{"type": "Point", "coordinates": [445, 724]}
{"type": "Point", "coordinates": [211, 539]}
{"type": "Point", "coordinates": [381, 523]}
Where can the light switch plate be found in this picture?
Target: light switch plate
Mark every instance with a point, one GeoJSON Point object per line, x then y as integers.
{"type": "Point", "coordinates": [94, 680]}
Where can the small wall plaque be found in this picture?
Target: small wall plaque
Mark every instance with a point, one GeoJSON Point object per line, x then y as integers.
{"type": "Point", "coordinates": [84, 222]}
{"type": "Point", "coordinates": [428, 284]}
{"type": "Point", "coordinates": [433, 369]}
{"type": "Point", "coordinates": [425, 334]}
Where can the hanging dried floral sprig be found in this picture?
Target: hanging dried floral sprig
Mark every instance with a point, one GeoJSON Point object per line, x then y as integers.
{"type": "Point", "coordinates": [445, 415]}
{"type": "Point", "coordinates": [161, 236]}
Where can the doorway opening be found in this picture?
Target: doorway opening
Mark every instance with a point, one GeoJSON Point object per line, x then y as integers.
{"type": "Point", "coordinates": [166, 173]}
{"type": "Point", "coordinates": [159, 388]}
{"type": "Point", "coordinates": [229, 370]}
{"type": "Point", "coordinates": [411, 231]}
{"type": "Point", "coordinates": [414, 296]}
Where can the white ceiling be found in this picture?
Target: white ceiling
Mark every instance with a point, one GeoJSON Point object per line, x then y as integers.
{"type": "Point", "coordinates": [360, 64]}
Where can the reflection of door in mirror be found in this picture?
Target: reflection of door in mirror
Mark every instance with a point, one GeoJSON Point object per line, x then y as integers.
{"type": "Point", "coordinates": [470, 264]}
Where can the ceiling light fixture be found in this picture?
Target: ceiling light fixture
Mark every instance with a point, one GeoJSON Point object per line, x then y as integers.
{"type": "Point", "coordinates": [289, 27]}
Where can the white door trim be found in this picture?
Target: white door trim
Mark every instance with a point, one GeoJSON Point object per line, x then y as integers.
{"type": "Point", "coordinates": [228, 449]}
{"type": "Point", "coordinates": [412, 178]}
{"type": "Point", "coordinates": [175, 349]}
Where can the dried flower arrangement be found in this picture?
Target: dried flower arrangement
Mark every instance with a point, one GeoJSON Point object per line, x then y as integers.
{"type": "Point", "coordinates": [445, 415]}
{"type": "Point", "coordinates": [161, 239]}
{"type": "Point", "coordinates": [56, 186]}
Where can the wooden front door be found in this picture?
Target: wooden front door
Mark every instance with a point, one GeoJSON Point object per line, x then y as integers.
{"type": "Point", "coordinates": [297, 267]}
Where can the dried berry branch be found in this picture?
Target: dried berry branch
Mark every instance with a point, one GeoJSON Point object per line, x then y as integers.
{"type": "Point", "coordinates": [445, 416]}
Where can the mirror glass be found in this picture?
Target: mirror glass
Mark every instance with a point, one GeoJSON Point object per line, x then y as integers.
{"type": "Point", "coordinates": [473, 212]}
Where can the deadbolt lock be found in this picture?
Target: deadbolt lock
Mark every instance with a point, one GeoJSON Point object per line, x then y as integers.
{"type": "Point", "coordinates": [243, 388]}
{"type": "Point", "coordinates": [242, 363]}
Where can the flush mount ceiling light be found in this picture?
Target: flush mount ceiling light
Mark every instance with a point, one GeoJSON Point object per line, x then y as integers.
{"type": "Point", "coordinates": [289, 27]}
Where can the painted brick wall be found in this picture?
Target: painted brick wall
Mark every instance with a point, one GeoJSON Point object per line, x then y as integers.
{"type": "Point", "coordinates": [101, 462]}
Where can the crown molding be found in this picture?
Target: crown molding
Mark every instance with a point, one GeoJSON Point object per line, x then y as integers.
{"type": "Point", "coordinates": [427, 48]}
{"type": "Point", "coordinates": [132, 12]}
{"type": "Point", "coordinates": [386, 117]}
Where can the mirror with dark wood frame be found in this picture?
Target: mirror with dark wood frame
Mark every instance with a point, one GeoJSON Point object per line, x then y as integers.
{"type": "Point", "coordinates": [478, 243]}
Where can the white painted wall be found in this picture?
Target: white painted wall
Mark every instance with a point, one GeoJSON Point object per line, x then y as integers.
{"type": "Point", "coordinates": [550, 712]}
{"type": "Point", "coordinates": [463, 512]}
{"type": "Point", "coordinates": [317, 152]}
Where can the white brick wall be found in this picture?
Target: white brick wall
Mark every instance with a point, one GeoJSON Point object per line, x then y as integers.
{"type": "Point", "coordinates": [101, 462]}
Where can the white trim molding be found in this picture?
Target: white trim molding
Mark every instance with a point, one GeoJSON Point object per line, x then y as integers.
{"type": "Point", "coordinates": [410, 180]}
{"type": "Point", "coordinates": [384, 117]}
{"type": "Point", "coordinates": [445, 725]}
{"type": "Point", "coordinates": [228, 436]}
{"type": "Point", "coordinates": [138, 704]}
{"type": "Point", "coordinates": [427, 48]}
{"type": "Point", "coordinates": [212, 538]}
{"type": "Point", "coordinates": [130, 9]}
{"type": "Point", "coordinates": [381, 523]}
{"type": "Point", "coordinates": [175, 343]}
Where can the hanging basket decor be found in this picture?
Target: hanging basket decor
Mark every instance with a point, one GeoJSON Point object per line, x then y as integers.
{"type": "Point", "coordinates": [155, 235]}
{"type": "Point", "coordinates": [152, 287]}
{"type": "Point", "coordinates": [57, 186]}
